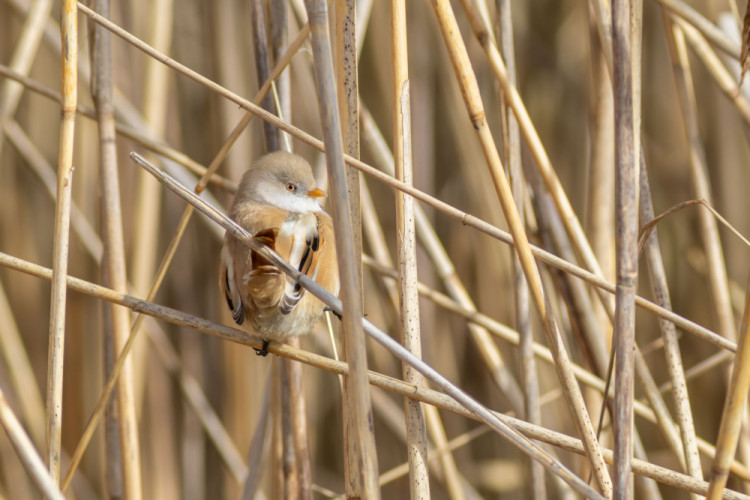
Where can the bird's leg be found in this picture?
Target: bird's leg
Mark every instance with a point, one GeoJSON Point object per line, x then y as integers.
{"type": "Point", "coordinates": [263, 351]}
{"type": "Point", "coordinates": [328, 309]}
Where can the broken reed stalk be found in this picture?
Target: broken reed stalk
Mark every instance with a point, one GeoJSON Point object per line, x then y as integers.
{"type": "Point", "coordinates": [114, 251]}
{"type": "Point", "coordinates": [470, 91]}
{"type": "Point", "coordinates": [56, 346]}
{"type": "Point", "coordinates": [627, 154]}
{"type": "Point", "coordinates": [27, 453]}
{"type": "Point", "coordinates": [735, 407]}
{"type": "Point", "coordinates": [357, 396]}
{"type": "Point", "coordinates": [459, 215]}
{"type": "Point", "coordinates": [406, 243]}
{"type": "Point", "coordinates": [428, 396]}
{"type": "Point", "coordinates": [529, 379]}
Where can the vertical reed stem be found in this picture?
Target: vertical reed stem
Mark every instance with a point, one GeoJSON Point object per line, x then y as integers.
{"type": "Point", "coordinates": [358, 407]}
{"type": "Point", "coordinates": [416, 430]}
{"type": "Point", "coordinates": [114, 252]}
{"type": "Point", "coordinates": [627, 154]}
{"type": "Point", "coordinates": [56, 348]}
{"type": "Point", "coordinates": [529, 378]}
{"type": "Point", "coordinates": [262, 68]}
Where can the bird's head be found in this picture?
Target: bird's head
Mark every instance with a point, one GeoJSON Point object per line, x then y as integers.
{"type": "Point", "coordinates": [285, 181]}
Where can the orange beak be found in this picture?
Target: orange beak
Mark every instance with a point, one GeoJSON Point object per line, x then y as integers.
{"type": "Point", "coordinates": [316, 193]}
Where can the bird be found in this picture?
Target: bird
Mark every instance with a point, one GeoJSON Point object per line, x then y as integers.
{"type": "Point", "coordinates": [278, 203]}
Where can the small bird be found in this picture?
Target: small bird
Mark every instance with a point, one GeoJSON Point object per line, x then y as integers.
{"type": "Point", "coordinates": [278, 203]}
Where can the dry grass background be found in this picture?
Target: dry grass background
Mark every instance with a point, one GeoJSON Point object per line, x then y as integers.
{"type": "Point", "coordinates": [190, 390]}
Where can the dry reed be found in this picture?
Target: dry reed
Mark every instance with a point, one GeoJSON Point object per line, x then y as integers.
{"type": "Point", "coordinates": [455, 94]}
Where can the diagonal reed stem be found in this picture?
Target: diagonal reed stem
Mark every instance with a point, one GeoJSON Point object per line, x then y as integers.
{"type": "Point", "coordinates": [734, 408]}
{"type": "Point", "coordinates": [27, 453]}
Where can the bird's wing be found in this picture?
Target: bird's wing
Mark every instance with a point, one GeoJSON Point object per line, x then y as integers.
{"type": "Point", "coordinates": [249, 280]}
{"type": "Point", "coordinates": [327, 273]}
{"type": "Point", "coordinates": [229, 283]}
{"type": "Point", "coordinates": [298, 242]}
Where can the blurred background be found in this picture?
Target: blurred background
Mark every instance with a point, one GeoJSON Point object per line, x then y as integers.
{"type": "Point", "coordinates": [562, 81]}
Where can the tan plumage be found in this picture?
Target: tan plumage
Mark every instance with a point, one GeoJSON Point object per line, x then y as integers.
{"type": "Point", "coordinates": [278, 203]}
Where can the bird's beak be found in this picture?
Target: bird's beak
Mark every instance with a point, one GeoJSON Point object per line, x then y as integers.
{"type": "Point", "coordinates": [316, 193]}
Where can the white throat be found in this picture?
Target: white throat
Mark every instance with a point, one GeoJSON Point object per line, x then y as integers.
{"type": "Point", "coordinates": [290, 202]}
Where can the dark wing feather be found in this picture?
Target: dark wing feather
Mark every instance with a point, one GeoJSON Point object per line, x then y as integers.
{"type": "Point", "coordinates": [302, 255]}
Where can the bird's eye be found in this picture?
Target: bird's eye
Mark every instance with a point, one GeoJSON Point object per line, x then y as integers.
{"type": "Point", "coordinates": [291, 187]}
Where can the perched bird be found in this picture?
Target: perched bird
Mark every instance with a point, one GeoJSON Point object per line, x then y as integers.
{"type": "Point", "coordinates": [278, 203]}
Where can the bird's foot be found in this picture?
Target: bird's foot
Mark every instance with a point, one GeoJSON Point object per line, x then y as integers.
{"type": "Point", "coordinates": [328, 309]}
{"type": "Point", "coordinates": [263, 351]}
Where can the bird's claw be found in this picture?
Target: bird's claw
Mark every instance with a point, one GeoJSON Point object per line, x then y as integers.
{"type": "Point", "coordinates": [328, 309]}
{"type": "Point", "coordinates": [263, 351]}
